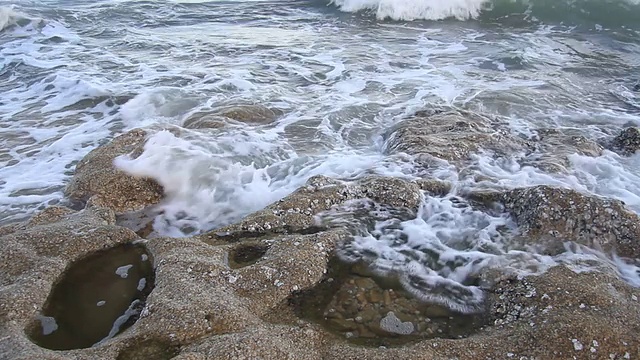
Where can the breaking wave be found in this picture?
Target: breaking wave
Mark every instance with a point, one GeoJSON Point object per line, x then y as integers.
{"type": "Point", "coordinates": [8, 18]}
{"type": "Point", "coordinates": [567, 11]}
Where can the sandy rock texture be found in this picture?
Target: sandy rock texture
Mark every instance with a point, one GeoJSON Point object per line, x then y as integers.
{"type": "Point", "coordinates": [97, 179]}
{"type": "Point", "coordinates": [206, 305]}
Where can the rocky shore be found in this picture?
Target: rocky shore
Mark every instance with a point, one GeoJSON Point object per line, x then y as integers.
{"type": "Point", "coordinates": [273, 285]}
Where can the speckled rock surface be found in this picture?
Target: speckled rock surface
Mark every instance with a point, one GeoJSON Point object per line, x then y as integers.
{"type": "Point", "coordinates": [96, 177]}
{"type": "Point", "coordinates": [34, 255]}
{"type": "Point", "coordinates": [627, 142]}
{"type": "Point", "coordinates": [207, 305]}
{"type": "Point", "coordinates": [452, 136]}
{"type": "Point", "coordinates": [551, 215]}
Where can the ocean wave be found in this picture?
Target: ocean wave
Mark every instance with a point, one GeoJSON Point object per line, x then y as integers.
{"type": "Point", "coordinates": [620, 11]}
{"type": "Point", "coordinates": [8, 17]}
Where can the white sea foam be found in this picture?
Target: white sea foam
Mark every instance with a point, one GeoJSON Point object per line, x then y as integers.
{"type": "Point", "coordinates": [466, 9]}
{"type": "Point", "coordinates": [439, 254]}
{"type": "Point", "coordinates": [433, 254]}
{"type": "Point", "coordinates": [8, 17]}
{"type": "Point", "coordinates": [209, 183]}
{"type": "Point", "coordinates": [416, 9]}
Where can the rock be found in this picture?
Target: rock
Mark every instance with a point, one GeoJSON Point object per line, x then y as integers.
{"type": "Point", "coordinates": [557, 315]}
{"type": "Point", "coordinates": [251, 113]}
{"type": "Point", "coordinates": [264, 342]}
{"type": "Point", "coordinates": [296, 212]}
{"type": "Point", "coordinates": [97, 178]}
{"type": "Point", "coordinates": [627, 142]}
{"type": "Point", "coordinates": [549, 215]}
{"type": "Point", "coordinates": [451, 136]}
{"type": "Point", "coordinates": [96, 298]}
{"type": "Point", "coordinates": [204, 120]}
{"type": "Point", "coordinates": [34, 257]}
{"type": "Point", "coordinates": [434, 187]}
{"type": "Point", "coordinates": [552, 150]}
{"type": "Point", "coordinates": [203, 308]}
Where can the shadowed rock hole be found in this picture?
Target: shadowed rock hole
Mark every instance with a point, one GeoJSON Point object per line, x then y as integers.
{"type": "Point", "coordinates": [247, 254]}
{"type": "Point", "coordinates": [95, 299]}
{"type": "Point", "coordinates": [352, 303]}
{"type": "Point", "coordinates": [149, 349]}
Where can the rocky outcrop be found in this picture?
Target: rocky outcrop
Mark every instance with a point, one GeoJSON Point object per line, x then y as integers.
{"type": "Point", "coordinates": [97, 179]}
{"type": "Point", "coordinates": [251, 114]}
{"type": "Point", "coordinates": [627, 142]}
{"type": "Point", "coordinates": [244, 292]}
{"type": "Point", "coordinates": [456, 135]}
{"type": "Point", "coordinates": [296, 213]}
{"type": "Point", "coordinates": [549, 215]}
{"type": "Point", "coordinates": [450, 135]}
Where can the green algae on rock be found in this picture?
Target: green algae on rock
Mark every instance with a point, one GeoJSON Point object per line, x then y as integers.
{"type": "Point", "coordinates": [96, 298]}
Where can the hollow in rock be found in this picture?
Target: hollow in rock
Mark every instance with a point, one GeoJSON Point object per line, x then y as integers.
{"type": "Point", "coordinates": [247, 254]}
{"type": "Point", "coordinates": [375, 311]}
{"type": "Point", "coordinates": [97, 297]}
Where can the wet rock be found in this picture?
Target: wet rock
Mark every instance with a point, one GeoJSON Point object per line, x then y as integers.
{"type": "Point", "coordinates": [50, 215]}
{"type": "Point", "coordinates": [358, 309]}
{"type": "Point", "coordinates": [551, 215]}
{"type": "Point", "coordinates": [251, 113]}
{"type": "Point", "coordinates": [247, 254]}
{"type": "Point", "coordinates": [97, 178]}
{"type": "Point", "coordinates": [296, 212]}
{"type": "Point", "coordinates": [551, 151]}
{"type": "Point", "coordinates": [434, 187]}
{"type": "Point", "coordinates": [203, 308]}
{"type": "Point", "coordinates": [627, 142]}
{"type": "Point", "coordinates": [97, 297]}
{"type": "Point", "coordinates": [204, 120]}
{"type": "Point", "coordinates": [451, 136]}
{"type": "Point", "coordinates": [558, 315]}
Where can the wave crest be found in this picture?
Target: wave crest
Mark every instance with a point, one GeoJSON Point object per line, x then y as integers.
{"type": "Point", "coordinates": [608, 12]}
{"type": "Point", "coordinates": [416, 9]}
{"type": "Point", "coordinates": [8, 17]}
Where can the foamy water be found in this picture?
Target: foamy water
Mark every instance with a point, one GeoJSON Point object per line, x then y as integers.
{"type": "Point", "coordinates": [74, 74]}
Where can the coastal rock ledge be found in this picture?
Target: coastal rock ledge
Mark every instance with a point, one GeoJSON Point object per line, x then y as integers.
{"type": "Point", "coordinates": [257, 289]}
{"type": "Point", "coordinates": [220, 296]}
